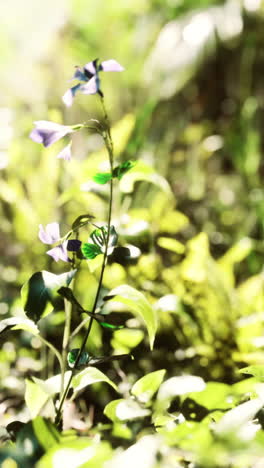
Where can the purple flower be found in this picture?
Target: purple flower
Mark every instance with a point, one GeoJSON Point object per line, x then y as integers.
{"type": "Point", "coordinates": [51, 235]}
{"type": "Point", "coordinates": [89, 75]}
{"type": "Point", "coordinates": [49, 132]}
{"type": "Point", "coordinates": [59, 252]}
{"type": "Point", "coordinates": [65, 153]}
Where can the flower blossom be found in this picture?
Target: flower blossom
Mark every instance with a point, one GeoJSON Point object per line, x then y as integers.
{"type": "Point", "coordinates": [50, 235]}
{"type": "Point", "coordinates": [48, 133]}
{"type": "Point", "coordinates": [89, 75]}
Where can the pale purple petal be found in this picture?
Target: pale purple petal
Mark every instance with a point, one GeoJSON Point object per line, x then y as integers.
{"type": "Point", "coordinates": [65, 152]}
{"type": "Point", "coordinates": [69, 95]}
{"type": "Point", "coordinates": [90, 67]}
{"type": "Point", "coordinates": [59, 253]}
{"type": "Point", "coordinates": [91, 87]}
{"type": "Point", "coordinates": [50, 234]}
{"type": "Point", "coordinates": [111, 65]}
{"type": "Point", "coordinates": [49, 132]}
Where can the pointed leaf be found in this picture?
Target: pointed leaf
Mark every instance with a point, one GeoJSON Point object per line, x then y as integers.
{"type": "Point", "coordinates": [125, 410]}
{"type": "Point", "coordinates": [89, 376]}
{"type": "Point", "coordinates": [147, 386]}
{"type": "Point", "coordinates": [19, 323]}
{"type": "Point", "coordinates": [81, 221]}
{"type": "Point", "coordinates": [238, 416]}
{"type": "Point", "coordinates": [257, 371]}
{"type": "Point", "coordinates": [35, 397]}
{"type": "Point", "coordinates": [46, 432]}
{"type": "Point", "coordinates": [136, 303]}
{"type": "Point", "coordinates": [41, 290]}
{"type": "Point", "coordinates": [102, 177]}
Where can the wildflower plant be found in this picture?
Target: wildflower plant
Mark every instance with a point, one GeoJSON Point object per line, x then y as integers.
{"type": "Point", "coordinates": [46, 292]}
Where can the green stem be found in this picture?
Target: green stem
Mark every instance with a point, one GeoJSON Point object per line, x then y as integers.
{"type": "Point", "coordinates": [109, 146]}
{"type": "Point", "coordinates": [65, 341]}
{"type": "Point", "coordinates": [53, 349]}
{"type": "Point", "coordinates": [78, 328]}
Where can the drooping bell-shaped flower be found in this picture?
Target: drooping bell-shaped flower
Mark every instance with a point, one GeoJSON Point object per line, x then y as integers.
{"type": "Point", "coordinates": [48, 133]}
{"type": "Point", "coordinates": [89, 75]}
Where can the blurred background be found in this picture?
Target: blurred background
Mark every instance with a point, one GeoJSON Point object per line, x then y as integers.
{"type": "Point", "coordinates": [190, 108]}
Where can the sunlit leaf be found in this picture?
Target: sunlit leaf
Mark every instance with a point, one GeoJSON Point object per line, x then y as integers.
{"type": "Point", "coordinates": [136, 303]}
{"type": "Point", "coordinates": [171, 244]}
{"type": "Point", "coordinates": [81, 221]}
{"type": "Point", "coordinates": [147, 386]}
{"type": "Point", "coordinates": [35, 397]}
{"type": "Point", "coordinates": [77, 452]}
{"type": "Point", "coordinates": [238, 416]}
{"type": "Point", "coordinates": [89, 376]}
{"type": "Point", "coordinates": [19, 323]}
{"type": "Point", "coordinates": [125, 410]}
{"type": "Point", "coordinates": [173, 221]}
{"type": "Point", "coordinates": [40, 291]}
{"type": "Point", "coordinates": [126, 339]}
{"type": "Point", "coordinates": [143, 172]}
{"type": "Point", "coordinates": [180, 386]}
{"type": "Point", "coordinates": [46, 432]}
{"type": "Point", "coordinates": [257, 371]}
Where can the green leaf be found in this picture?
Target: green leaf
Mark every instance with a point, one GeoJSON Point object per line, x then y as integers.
{"type": "Point", "coordinates": [45, 432]}
{"type": "Point", "coordinates": [180, 385]}
{"type": "Point", "coordinates": [136, 303]}
{"type": "Point", "coordinates": [83, 360]}
{"type": "Point", "coordinates": [257, 371]}
{"type": "Point", "coordinates": [35, 397]}
{"type": "Point", "coordinates": [171, 244]}
{"type": "Point", "coordinates": [143, 172]}
{"type": "Point", "coordinates": [19, 323]}
{"type": "Point", "coordinates": [87, 377]}
{"type": "Point", "coordinates": [102, 177]}
{"type": "Point", "coordinates": [239, 416]}
{"type": "Point", "coordinates": [123, 168]}
{"type": "Point", "coordinates": [40, 292]}
{"type": "Point", "coordinates": [81, 221]}
{"type": "Point", "coordinates": [81, 452]}
{"type": "Point", "coordinates": [126, 339]}
{"type": "Point", "coordinates": [90, 251]}
{"type": "Point", "coordinates": [147, 386]}
{"type": "Point", "coordinates": [96, 263]}
{"type": "Point", "coordinates": [125, 410]}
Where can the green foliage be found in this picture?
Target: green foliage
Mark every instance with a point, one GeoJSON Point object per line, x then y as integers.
{"type": "Point", "coordinates": [136, 303]}
{"type": "Point", "coordinates": [39, 293]}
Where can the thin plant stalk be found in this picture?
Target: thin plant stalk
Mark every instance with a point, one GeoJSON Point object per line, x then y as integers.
{"type": "Point", "coordinates": [65, 341]}
{"type": "Point", "coordinates": [109, 146]}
